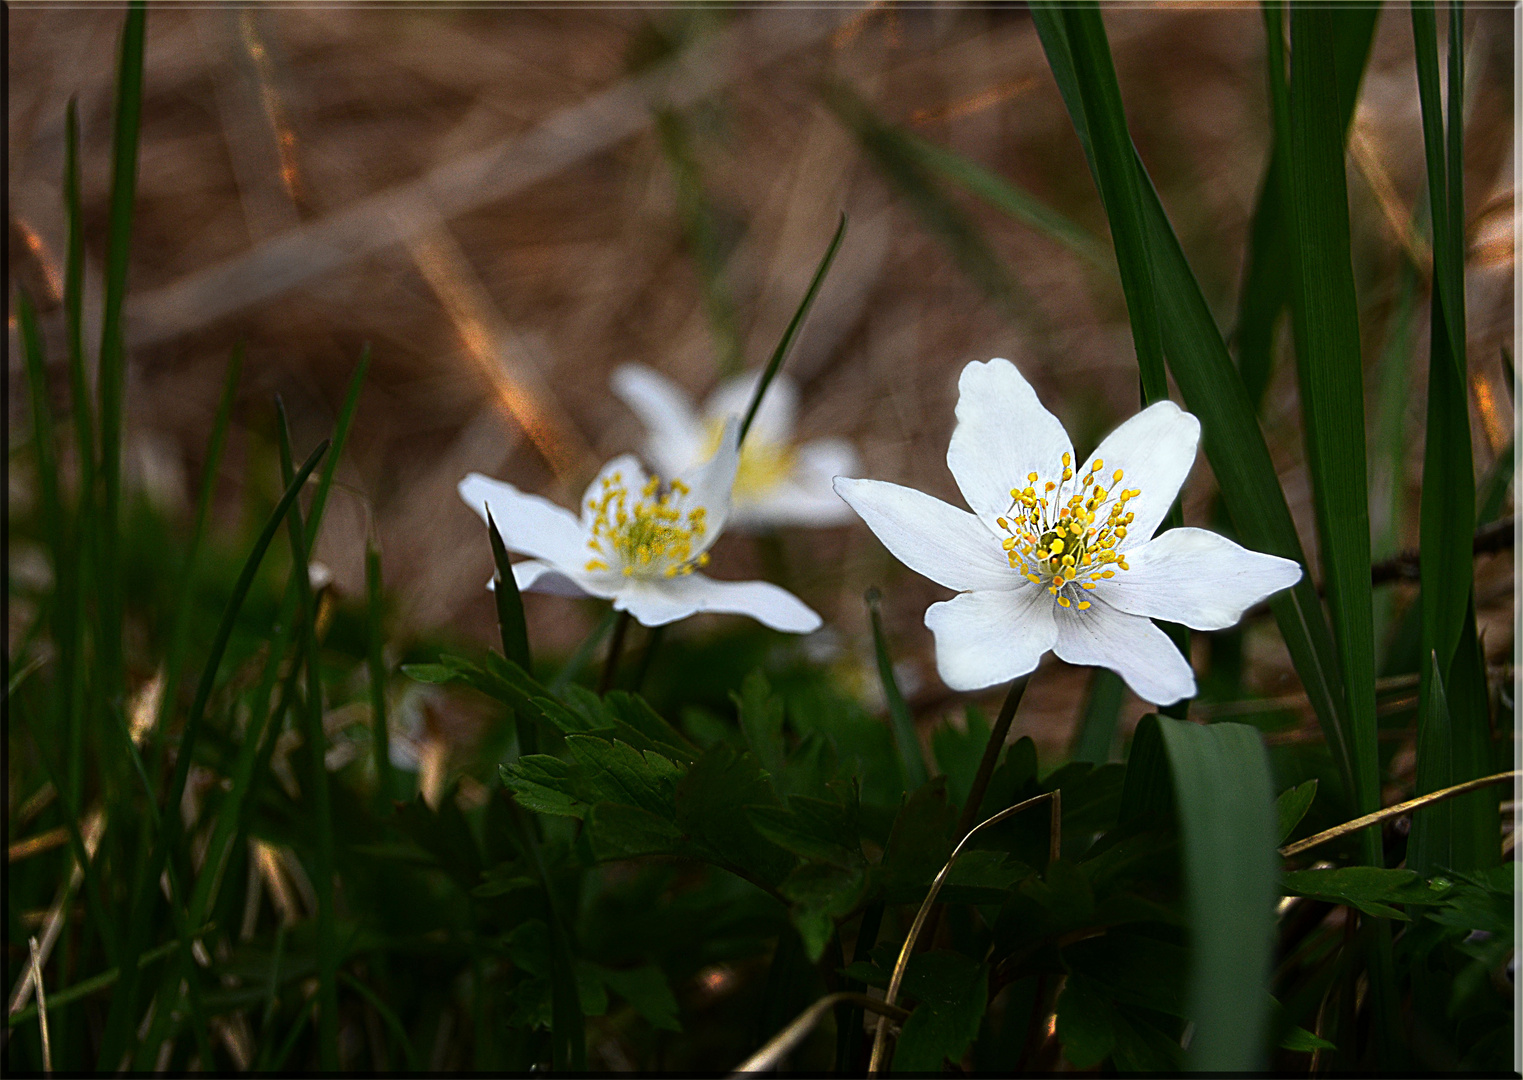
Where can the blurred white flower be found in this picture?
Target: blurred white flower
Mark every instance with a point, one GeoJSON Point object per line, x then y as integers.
{"type": "Point", "coordinates": [778, 482]}
{"type": "Point", "coordinates": [638, 542]}
{"type": "Point", "coordinates": [1059, 558]}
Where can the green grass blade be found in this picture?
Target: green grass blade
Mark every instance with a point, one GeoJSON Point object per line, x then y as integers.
{"type": "Point", "coordinates": [1326, 317]}
{"type": "Point", "coordinates": [1004, 195]}
{"type": "Point", "coordinates": [388, 1017]}
{"type": "Point", "coordinates": [317, 744]}
{"type": "Point", "coordinates": [911, 756]}
{"type": "Point", "coordinates": [1116, 176]}
{"type": "Point", "coordinates": [385, 782]}
{"type": "Point", "coordinates": [568, 1037]}
{"type": "Point", "coordinates": [579, 659]}
{"type": "Point", "coordinates": [93, 985]}
{"type": "Point", "coordinates": [73, 303]}
{"type": "Point", "coordinates": [512, 628]}
{"type": "Point", "coordinates": [43, 445]}
{"type": "Point", "coordinates": [510, 603]}
{"type": "Point", "coordinates": [1227, 818]}
{"type": "Point", "coordinates": [214, 448]}
{"type": "Point", "coordinates": [791, 333]}
{"type": "Point", "coordinates": [700, 228]}
{"type": "Point", "coordinates": [1096, 734]}
{"type": "Point", "coordinates": [1430, 846]}
{"type": "Point", "coordinates": [1492, 496]}
{"type": "Point", "coordinates": [1213, 390]}
{"type": "Point", "coordinates": [340, 440]}
{"type": "Point", "coordinates": [123, 1003]}
{"type": "Point", "coordinates": [1266, 279]}
{"type": "Point", "coordinates": [124, 149]}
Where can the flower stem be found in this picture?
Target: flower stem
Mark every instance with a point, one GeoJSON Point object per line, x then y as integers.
{"type": "Point", "coordinates": [996, 743]}
{"type": "Point", "coordinates": [652, 643]}
{"type": "Point", "coordinates": [615, 648]}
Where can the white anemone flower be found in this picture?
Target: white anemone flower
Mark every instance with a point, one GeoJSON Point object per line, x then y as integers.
{"type": "Point", "coordinates": [778, 482]}
{"type": "Point", "coordinates": [1054, 557]}
{"type": "Point", "coordinates": [638, 542]}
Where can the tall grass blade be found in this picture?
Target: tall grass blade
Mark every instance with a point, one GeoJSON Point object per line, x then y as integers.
{"type": "Point", "coordinates": [214, 448]}
{"type": "Point", "coordinates": [1006, 196]}
{"type": "Point", "coordinates": [512, 628]}
{"type": "Point", "coordinates": [340, 440]}
{"type": "Point", "coordinates": [380, 745]}
{"type": "Point", "coordinates": [1227, 821]}
{"type": "Point", "coordinates": [1266, 278]}
{"type": "Point", "coordinates": [317, 745]}
{"type": "Point", "coordinates": [568, 1036]}
{"type": "Point", "coordinates": [1116, 176]}
{"type": "Point", "coordinates": [1466, 838]}
{"type": "Point", "coordinates": [911, 758]}
{"type": "Point", "coordinates": [1326, 318]}
{"type": "Point", "coordinates": [1097, 724]}
{"type": "Point", "coordinates": [1230, 435]}
{"type": "Point", "coordinates": [139, 922]}
{"type": "Point", "coordinates": [124, 151]}
{"type": "Point", "coordinates": [791, 332]}
{"type": "Point", "coordinates": [701, 231]}
{"type": "Point", "coordinates": [43, 445]}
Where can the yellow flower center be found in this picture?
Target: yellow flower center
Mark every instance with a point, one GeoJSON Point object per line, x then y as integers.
{"type": "Point", "coordinates": [1068, 545]}
{"type": "Point", "coordinates": [649, 536]}
{"type": "Point", "coordinates": [763, 465]}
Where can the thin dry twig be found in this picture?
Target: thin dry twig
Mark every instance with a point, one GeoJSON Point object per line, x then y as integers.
{"type": "Point", "coordinates": [42, 1007]}
{"type": "Point", "coordinates": [1396, 811]}
{"type": "Point", "coordinates": [880, 1037]}
{"type": "Point", "coordinates": [784, 1041]}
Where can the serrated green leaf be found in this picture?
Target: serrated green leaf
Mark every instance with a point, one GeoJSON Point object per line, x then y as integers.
{"type": "Point", "coordinates": [434, 674]}
{"type": "Point", "coordinates": [1085, 1027]}
{"type": "Point", "coordinates": [958, 753]}
{"type": "Point", "coordinates": [812, 828]}
{"type": "Point", "coordinates": [1371, 889]}
{"type": "Point", "coordinates": [761, 721]}
{"type": "Point", "coordinates": [619, 773]}
{"type": "Point", "coordinates": [953, 991]}
{"type": "Point", "coordinates": [821, 894]}
{"type": "Point", "coordinates": [919, 842]}
{"type": "Point", "coordinates": [648, 992]}
{"type": "Point", "coordinates": [616, 831]}
{"type": "Point", "coordinates": [547, 785]}
{"type": "Point", "coordinates": [632, 712]}
{"type": "Point", "coordinates": [710, 802]}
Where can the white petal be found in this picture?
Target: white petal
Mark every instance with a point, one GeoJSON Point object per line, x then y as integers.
{"type": "Point", "coordinates": [807, 495]}
{"type": "Point", "coordinates": [710, 485]}
{"type": "Point", "coordinates": [529, 524]}
{"type": "Point", "coordinates": [1196, 577]}
{"type": "Point", "coordinates": [1154, 450]}
{"type": "Point", "coordinates": [657, 602]}
{"type": "Point", "coordinates": [1003, 434]}
{"type": "Point", "coordinates": [631, 475]}
{"type": "Point", "coordinates": [775, 415]}
{"type": "Point", "coordinates": [983, 638]}
{"type": "Point", "coordinates": [1129, 645]}
{"type": "Point", "coordinates": [936, 540]}
{"type": "Point", "coordinates": [676, 436]}
{"type": "Point", "coordinates": [531, 575]}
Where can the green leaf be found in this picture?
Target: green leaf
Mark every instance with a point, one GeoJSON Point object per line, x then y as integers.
{"type": "Point", "coordinates": [616, 831]}
{"type": "Point", "coordinates": [1291, 807]}
{"type": "Point", "coordinates": [1134, 969]}
{"type": "Point", "coordinates": [710, 799]}
{"type": "Point", "coordinates": [1086, 1026]}
{"type": "Point", "coordinates": [1371, 889]}
{"type": "Point", "coordinates": [648, 993]}
{"type": "Point", "coordinates": [619, 773]}
{"type": "Point", "coordinates": [920, 842]}
{"type": "Point", "coordinates": [1147, 789]}
{"type": "Point", "coordinates": [791, 332]}
{"type": "Point", "coordinates": [547, 785]}
{"type": "Point", "coordinates": [1226, 812]}
{"type": "Point", "coordinates": [812, 828]}
{"type": "Point", "coordinates": [1095, 738]}
{"type": "Point", "coordinates": [761, 721]}
{"type": "Point", "coordinates": [633, 714]}
{"type": "Point", "coordinates": [375, 659]}
{"type": "Point", "coordinates": [958, 753]}
{"type": "Point", "coordinates": [910, 755]}
{"type": "Point", "coordinates": [444, 834]}
{"type": "Point", "coordinates": [953, 991]}
{"type": "Point", "coordinates": [1299, 1040]}
{"type": "Point", "coordinates": [821, 894]}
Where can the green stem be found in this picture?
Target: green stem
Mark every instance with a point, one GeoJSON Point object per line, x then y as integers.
{"type": "Point", "coordinates": [615, 649]}
{"type": "Point", "coordinates": [992, 750]}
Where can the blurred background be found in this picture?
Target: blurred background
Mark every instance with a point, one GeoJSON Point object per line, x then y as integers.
{"type": "Point", "coordinates": [507, 203]}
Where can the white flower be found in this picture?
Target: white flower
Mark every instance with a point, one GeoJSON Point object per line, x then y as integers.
{"type": "Point", "coordinates": [638, 542]}
{"type": "Point", "coordinates": [778, 482]}
{"type": "Point", "coordinates": [1059, 558]}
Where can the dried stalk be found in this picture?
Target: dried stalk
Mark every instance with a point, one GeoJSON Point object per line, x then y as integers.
{"type": "Point", "coordinates": [1395, 811]}
{"type": "Point", "coordinates": [880, 1037]}
{"type": "Point", "coordinates": [42, 1007]}
{"type": "Point", "coordinates": [783, 1043]}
